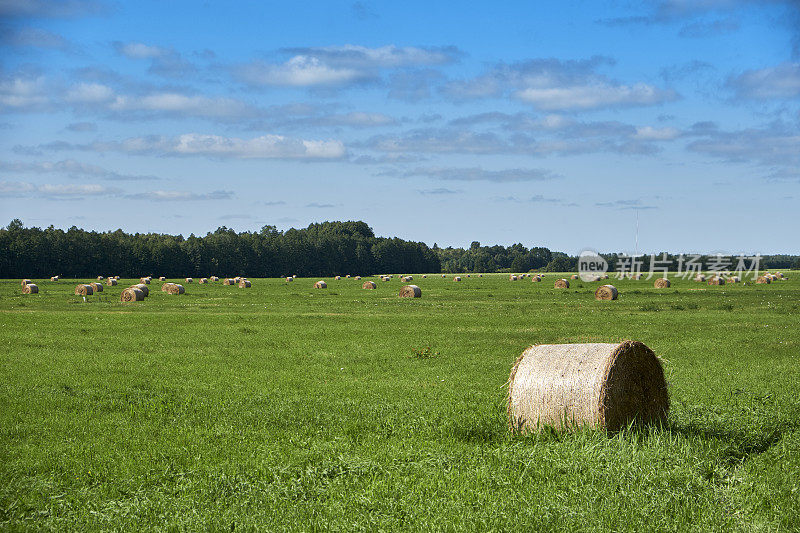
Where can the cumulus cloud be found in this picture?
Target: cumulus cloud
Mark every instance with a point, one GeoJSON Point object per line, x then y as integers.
{"type": "Point", "coordinates": [776, 144]}
{"type": "Point", "coordinates": [180, 196]}
{"type": "Point", "coordinates": [71, 168]}
{"type": "Point", "coordinates": [481, 174]}
{"type": "Point", "coordinates": [299, 71]}
{"type": "Point", "coordinates": [781, 81]}
{"type": "Point", "coordinates": [24, 91]}
{"type": "Point", "coordinates": [165, 62]}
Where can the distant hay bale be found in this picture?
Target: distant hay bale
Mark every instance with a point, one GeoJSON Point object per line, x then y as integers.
{"type": "Point", "coordinates": [561, 284]}
{"type": "Point", "coordinates": [144, 288]}
{"type": "Point", "coordinates": [25, 282]}
{"type": "Point", "coordinates": [54, 278]}
{"type": "Point", "coordinates": [337, 278]}
{"type": "Point", "coordinates": [444, 275]}
{"type": "Point", "coordinates": [347, 276]}
{"type": "Point", "coordinates": [203, 281]}
{"type": "Point", "coordinates": [30, 288]}
{"type": "Point", "coordinates": [357, 278]}
{"type": "Point", "coordinates": [636, 277]}
{"type": "Point", "coordinates": [173, 288]}
{"type": "Point", "coordinates": [409, 278]}
{"type": "Point", "coordinates": [574, 276]}
{"type": "Point", "coordinates": [162, 278]}
{"type": "Point", "coordinates": [100, 278]}
{"type": "Point", "coordinates": [605, 276]}
{"type": "Point", "coordinates": [237, 279]}
{"type": "Point", "coordinates": [779, 275]}
{"type": "Point", "coordinates": [385, 278]}
{"type": "Point", "coordinates": [424, 276]}
{"type": "Point", "coordinates": [606, 292]}
{"type": "Point", "coordinates": [288, 279]}
{"type": "Point", "coordinates": [320, 285]}
{"type": "Point", "coordinates": [214, 278]}
{"type": "Point", "coordinates": [410, 291]}
{"type": "Point", "coordinates": [189, 280]}
{"type": "Point", "coordinates": [84, 290]}
{"type": "Point", "coordinates": [716, 280]}
{"type": "Point", "coordinates": [116, 278]}
{"type": "Point", "coordinates": [512, 277]}
{"type": "Point", "coordinates": [97, 287]}
{"type": "Point", "coordinates": [700, 278]}
{"type": "Point", "coordinates": [661, 283]}
{"type": "Point", "coordinates": [228, 281]}
{"type": "Point", "coordinates": [734, 279]}
{"type": "Point", "coordinates": [294, 275]}
{"type": "Point", "coordinates": [763, 279]}
{"type": "Point", "coordinates": [535, 279]}
{"type": "Point", "coordinates": [468, 275]}
{"type": "Point", "coordinates": [244, 284]}
{"type": "Point", "coordinates": [569, 386]}
{"type": "Point", "coordinates": [457, 278]}
{"type": "Point", "coordinates": [369, 285]}
{"type": "Point", "coordinates": [131, 294]}
{"type": "Point", "coordinates": [480, 275]}
{"type": "Point", "coordinates": [111, 282]}
{"type": "Point", "coordinates": [144, 280]}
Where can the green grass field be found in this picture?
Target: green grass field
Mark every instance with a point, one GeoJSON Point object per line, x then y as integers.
{"type": "Point", "coordinates": [282, 407]}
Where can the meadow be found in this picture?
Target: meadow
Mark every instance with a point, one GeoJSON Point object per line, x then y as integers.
{"type": "Point", "coordinates": [283, 407]}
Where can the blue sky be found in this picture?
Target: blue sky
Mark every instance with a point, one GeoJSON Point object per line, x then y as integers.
{"type": "Point", "coordinates": [541, 123]}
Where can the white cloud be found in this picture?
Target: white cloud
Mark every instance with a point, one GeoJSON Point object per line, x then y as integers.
{"type": "Point", "coordinates": [140, 50]}
{"type": "Point", "coordinates": [593, 96]}
{"type": "Point", "coordinates": [650, 133]}
{"type": "Point", "coordinates": [299, 71]}
{"type": "Point", "coordinates": [180, 196]}
{"type": "Point", "coordinates": [479, 174]}
{"type": "Point", "coordinates": [21, 92]}
{"type": "Point", "coordinates": [781, 81]}
{"type": "Point", "coordinates": [89, 93]}
{"type": "Point", "coordinates": [19, 188]}
{"type": "Point", "coordinates": [72, 168]}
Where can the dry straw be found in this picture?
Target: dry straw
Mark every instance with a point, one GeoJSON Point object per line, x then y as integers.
{"type": "Point", "coordinates": [320, 285]}
{"type": "Point", "coordinates": [84, 290]}
{"type": "Point", "coordinates": [512, 277]}
{"type": "Point", "coordinates": [30, 288]}
{"type": "Point", "coordinates": [162, 278]}
{"type": "Point", "coordinates": [189, 280]}
{"type": "Point", "coordinates": [100, 278]}
{"type": "Point", "coordinates": [131, 294]}
{"type": "Point", "coordinates": [763, 279]}
{"type": "Point", "coordinates": [606, 292]}
{"type": "Point", "coordinates": [568, 386]}
{"type": "Point", "coordinates": [700, 278]}
{"type": "Point", "coordinates": [111, 282]}
{"type": "Point", "coordinates": [244, 284]}
{"type": "Point", "coordinates": [142, 287]}
{"type": "Point", "coordinates": [661, 283]}
{"type": "Point", "coordinates": [410, 291]}
{"type": "Point", "coordinates": [535, 279]}
{"type": "Point", "coordinates": [228, 281]}
{"type": "Point", "coordinates": [457, 278]}
{"type": "Point", "coordinates": [337, 278]}
{"type": "Point", "coordinates": [561, 284]}
{"type": "Point", "coordinates": [358, 278]}
{"type": "Point", "coordinates": [734, 279]}
{"type": "Point", "coordinates": [574, 276]}
{"type": "Point", "coordinates": [54, 278]}
{"type": "Point", "coordinates": [97, 287]}
{"type": "Point", "coordinates": [203, 281]}
{"type": "Point", "coordinates": [369, 285]}
{"type": "Point", "coordinates": [288, 279]}
{"type": "Point", "coordinates": [173, 288]}
{"type": "Point", "coordinates": [716, 280]}
{"type": "Point", "coordinates": [144, 280]}
{"type": "Point", "coordinates": [25, 282]}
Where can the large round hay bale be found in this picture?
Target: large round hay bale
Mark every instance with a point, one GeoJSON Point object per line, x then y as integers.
{"type": "Point", "coordinates": [535, 279]}
{"type": "Point", "coordinates": [111, 282]}
{"type": "Point", "coordinates": [30, 288]}
{"type": "Point", "coordinates": [337, 278]}
{"type": "Point", "coordinates": [408, 278]}
{"type": "Point", "coordinates": [574, 276]}
{"type": "Point", "coordinates": [561, 284]}
{"type": "Point", "coordinates": [173, 288]}
{"type": "Point", "coordinates": [700, 278]}
{"type": "Point", "coordinates": [424, 276]}
{"type": "Point", "coordinates": [214, 278]}
{"type": "Point", "coordinates": [716, 280]}
{"type": "Point", "coordinates": [146, 281]}
{"type": "Point", "coordinates": [734, 279]}
{"type": "Point", "coordinates": [606, 292]}
{"type": "Point", "coordinates": [369, 285]}
{"type": "Point", "coordinates": [661, 283]}
{"type": "Point", "coordinates": [25, 282]}
{"type": "Point", "coordinates": [84, 290]}
{"type": "Point", "coordinates": [385, 278]}
{"type": "Point", "coordinates": [189, 280]}
{"type": "Point", "coordinates": [763, 279]}
{"type": "Point", "coordinates": [320, 285]}
{"type": "Point", "coordinates": [144, 288]}
{"type": "Point", "coordinates": [410, 291]}
{"type": "Point", "coordinates": [288, 279]}
{"type": "Point", "coordinates": [597, 385]}
{"type": "Point", "coordinates": [202, 281]}
{"type": "Point", "coordinates": [457, 278]}
{"type": "Point", "coordinates": [131, 294]}
{"type": "Point", "coordinates": [444, 275]}
{"type": "Point", "coordinates": [358, 278]}
{"type": "Point", "coordinates": [97, 287]}
{"type": "Point", "coordinates": [512, 277]}
{"type": "Point", "coordinates": [54, 278]}
{"type": "Point", "coordinates": [228, 281]}
{"type": "Point", "coordinates": [100, 278]}
{"type": "Point", "coordinates": [347, 276]}
{"type": "Point", "coordinates": [244, 284]}
{"type": "Point", "coordinates": [162, 278]}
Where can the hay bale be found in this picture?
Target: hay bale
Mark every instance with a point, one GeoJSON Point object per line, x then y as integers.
{"type": "Point", "coordinates": [598, 385]}
{"type": "Point", "coordinates": [444, 275]}
{"type": "Point", "coordinates": [189, 280]}
{"type": "Point", "coordinates": [716, 280]}
{"type": "Point", "coordinates": [162, 278]}
{"type": "Point", "coordinates": [97, 287]}
{"type": "Point", "coordinates": [173, 288]}
{"type": "Point", "coordinates": [763, 279]}
{"type": "Point", "coordinates": [358, 278]}
{"type": "Point", "coordinates": [244, 284]}
{"type": "Point", "coordinates": [320, 285]}
{"type": "Point", "coordinates": [347, 276]}
{"type": "Point", "coordinates": [408, 278]}
{"type": "Point", "coordinates": [512, 277]}
{"type": "Point", "coordinates": [131, 294]}
{"type": "Point", "coordinates": [288, 279]}
{"type": "Point", "coordinates": [54, 278]}
{"type": "Point", "coordinates": [25, 282]}
{"type": "Point", "coordinates": [214, 278]}
{"type": "Point", "coordinates": [480, 275]}
{"type": "Point", "coordinates": [468, 275]}
{"type": "Point", "coordinates": [457, 278]}
{"type": "Point", "coordinates": [228, 281]}
{"type": "Point", "coordinates": [561, 284]}
{"type": "Point", "coordinates": [369, 285]}
{"type": "Point", "coordinates": [574, 276]}
{"type": "Point", "coordinates": [30, 288]}
{"type": "Point", "coordinates": [606, 292]}
{"type": "Point", "coordinates": [146, 281]}
{"type": "Point", "coordinates": [385, 278]}
{"type": "Point", "coordinates": [116, 278]}
{"type": "Point", "coordinates": [410, 291]}
{"type": "Point", "coordinates": [84, 290]}
{"type": "Point", "coordinates": [337, 278]}
{"type": "Point", "coordinates": [700, 278]}
{"type": "Point", "coordinates": [111, 282]}
{"type": "Point", "coordinates": [143, 287]}
{"type": "Point", "coordinates": [100, 278]}
{"type": "Point", "coordinates": [636, 277]}
{"type": "Point", "coordinates": [734, 279]}
{"type": "Point", "coordinates": [536, 279]}
{"type": "Point", "coordinates": [424, 276]}
{"type": "Point", "coordinates": [203, 281]}
{"type": "Point", "coordinates": [661, 283]}
{"type": "Point", "coordinates": [294, 275]}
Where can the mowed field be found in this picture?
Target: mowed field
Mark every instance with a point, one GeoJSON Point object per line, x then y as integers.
{"type": "Point", "coordinates": [283, 407]}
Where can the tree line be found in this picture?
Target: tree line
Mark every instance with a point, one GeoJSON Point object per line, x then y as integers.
{"type": "Point", "coordinates": [323, 249]}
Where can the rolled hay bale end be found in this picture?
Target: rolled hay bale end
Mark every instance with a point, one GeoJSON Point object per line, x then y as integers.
{"type": "Point", "coordinates": [320, 285]}
{"type": "Point", "coordinates": [512, 277]}
{"type": "Point", "coordinates": [347, 276]}
{"type": "Point", "coordinates": [214, 278]}
{"type": "Point", "coordinates": [111, 282]}
{"type": "Point", "coordinates": [661, 283]}
{"type": "Point", "coordinates": [408, 278]}
{"type": "Point", "coordinates": [716, 280]}
{"type": "Point", "coordinates": [636, 277]}
{"type": "Point", "coordinates": [700, 278]}
{"type": "Point", "coordinates": [30, 288]}
{"type": "Point", "coordinates": [189, 280]}
{"type": "Point", "coordinates": [444, 275]}
{"type": "Point", "coordinates": [97, 287]}
{"type": "Point", "coordinates": [116, 278]}
{"type": "Point", "coordinates": [410, 291]}
{"type": "Point", "coordinates": [385, 278]}
{"type": "Point", "coordinates": [424, 276]}
{"type": "Point", "coordinates": [146, 281]}
{"type": "Point", "coordinates": [357, 278]}
{"type": "Point", "coordinates": [25, 282]}
{"type": "Point", "coordinates": [144, 288]}
{"type": "Point", "coordinates": [480, 275]}
{"type": "Point", "coordinates": [535, 279]}
{"type": "Point", "coordinates": [763, 280]}
{"type": "Point", "coordinates": [337, 278]}
{"type": "Point", "coordinates": [288, 279]}
{"type": "Point", "coordinates": [457, 278]}
{"type": "Point", "coordinates": [228, 281]}
{"type": "Point", "coordinates": [54, 278]}
{"type": "Point", "coordinates": [561, 284]}
{"type": "Point", "coordinates": [605, 276]}
{"type": "Point", "coordinates": [468, 275]}
{"type": "Point", "coordinates": [369, 285]}
{"type": "Point", "coordinates": [162, 278]}
{"type": "Point", "coordinates": [173, 288]}
{"type": "Point", "coordinates": [244, 284]}
{"type": "Point", "coordinates": [569, 386]}
{"type": "Point", "coordinates": [131, 294]}
{"type": "Point", "coordinates": [574, 276]}
{"type": "Point", "coordinates": [84, 290]}
{"type": "Point", "coordinates": [734, 279]}
{"type": "Point", "coordinates": [203, 281]}
{"type": "Point", "coordinates": [606, 292]}
{"type": "Point", "coordinates": [100, 278]}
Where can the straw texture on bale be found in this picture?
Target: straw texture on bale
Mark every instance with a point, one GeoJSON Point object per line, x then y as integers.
{"type": "Point", "coordinates": [97, 287]}
{"type": "Point", "coordinates": [162, 278]}
{"type": "Point", "coordinates": [289, 278]}
{"type": "Point", "coordinates": [144, 288]}
{"type": "Point", "coordinates": [214, 278]}
{"type": "Point", "coordinates": [763, 279]}
{"type": "Point", "coordinates": [173, 288]}
{"type": "Point", "coordinates": [424, 276]}
{"type": "Point", "coordinates": [561, 284]}
{"type": "Point", "coordinates": [25, 282]}
{"type": "Point", "coordinates": [144, 280]}
{"type": "Point", "coordinates": [131, 294]}
{"type": "Point", "coordinates": [244, 284]}
{"type": "Point", "coordinates": [348, 276]}
{"type": "Point", "coordinates": [700, 278]}
{"type": "Point", "coordinates": [410, 291]}
{"type": "Point", "coordinates": [661, 283]}
{"type": "Point", "coordinates": [30, 288]}
{"type": "Point", "coordinates": [320, 285]}
{"type": "Point", "coordinates": [189, 280]}
{"type": "Point", "coordinates": [734, 279]}
{"type": "Point", "coordinates": [203, 281]}
{"type": "Point", "coordinates": [716, 280]}
{"type": "Point", "coordinates": [408, 278]}
{"type": "Point", "coordinates": [358, 278]}
{"type": "Point", "coordinates": [606, 292]}
{"type": "Point", "coordinates": [457, 278]}
{"type": "Point", "coordinates": [369, 285]}
{"type": "Point", "coordinates": [444, 275]}
{"type": "Point", "coordinates": [597, 385]}
{"type": "Point", "coordinates": [111, 282]}
{"type": "Point", "coordinates": [100, 278]}
{"type": "Point", "coordinates": [228, 281]}
{"type": "Point", "coordinates": [536, 279]}
{"type": "Point", "coordinates": [337, 278]}
{"type": "Point", "coordinates": [84, 290]}
{"type": "Point", "coordinates": [54, 278]}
